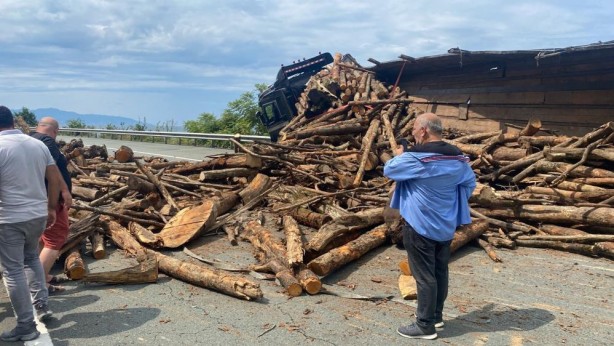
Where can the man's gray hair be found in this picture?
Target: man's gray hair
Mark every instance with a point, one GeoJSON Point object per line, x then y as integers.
{"type": "Point", "coordinates": [433, 126]}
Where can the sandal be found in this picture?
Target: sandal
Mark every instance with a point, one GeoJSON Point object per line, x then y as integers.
{"type": "Point", "coordinates": [52, 289]}
{"type": "Point", "coordinates": [57, 279]}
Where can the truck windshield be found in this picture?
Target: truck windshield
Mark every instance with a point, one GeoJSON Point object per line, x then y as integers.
{"type": "Point", "coordinates": [271, 112]}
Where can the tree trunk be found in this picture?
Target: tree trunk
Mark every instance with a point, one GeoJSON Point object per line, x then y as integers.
{"type": "Point", "coordinates": [219, 174]}
{"type": "Point", "coordinates": [555, 214]}
{"type": "Point", "coordinates": [294, 243]}
{"type": "Point", "coordinates": [86, 193]}
{"type": "Point", "coordinates": [351, 251]}
{"type": "Point", "coordinates": [256, 187]}
{"type": "Point", "coordinates": [98, 249]}
{"type": "Point", "coordinates": [124, 154]}
{"type": "Point", "coordinates": [74, 266]}
{"type": "Point", "coordinates": [467, 233]}
{"type": "Point", "coordinates": [309, 218]}
{"type": "Point", "coordinates": [234, 161]}
{"type": "Point", "coordinates": [144, 272]}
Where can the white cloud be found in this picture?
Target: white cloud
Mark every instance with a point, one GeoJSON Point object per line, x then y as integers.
{"type": "Point", "coordinates": [171, 47]}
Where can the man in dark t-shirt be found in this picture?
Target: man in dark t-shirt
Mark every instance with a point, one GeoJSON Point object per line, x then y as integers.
{"type": "Point", "coordinates": [53, 237]}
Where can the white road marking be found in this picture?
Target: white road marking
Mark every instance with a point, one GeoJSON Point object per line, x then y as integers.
{"type": "Point", "coordinates": [44, 339]}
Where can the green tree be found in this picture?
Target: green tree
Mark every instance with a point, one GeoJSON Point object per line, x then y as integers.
{"type": "Point", "coordinates": [140, 126]}
{"type": "Point", "coordinates": [76, 124]}
{"type": "Point", "coordinates": [28, 117]}
{"type": "Point", "coordinates": [206, 123]}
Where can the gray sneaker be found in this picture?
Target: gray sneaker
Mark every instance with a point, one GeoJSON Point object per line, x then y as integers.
{"type": "Point", "coordinates": [42, 312]}
{"type": "Point", "coordinates": [21, 333]}
{"type": "Point", "coordinates": [414, 332]}
{"type": "Point", "coordinates": [438, 324]}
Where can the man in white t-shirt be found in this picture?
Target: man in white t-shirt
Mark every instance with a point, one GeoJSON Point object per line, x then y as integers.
{"type": "Point", "coordinates": [25, 211]}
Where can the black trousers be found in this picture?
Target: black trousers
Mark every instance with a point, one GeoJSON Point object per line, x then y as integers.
{"type": "Point", "coordinates": [428, 260]}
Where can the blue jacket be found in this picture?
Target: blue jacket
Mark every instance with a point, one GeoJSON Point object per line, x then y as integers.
{"type": "Point", "coordinates": [432, 192]}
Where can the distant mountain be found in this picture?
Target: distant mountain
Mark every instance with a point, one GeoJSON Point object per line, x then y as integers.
{"type": "Point", "coordinates": [95, 120]}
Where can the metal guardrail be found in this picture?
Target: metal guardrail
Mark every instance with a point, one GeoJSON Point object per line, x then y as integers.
{"type": "Point", "coordinates": [180, 135]}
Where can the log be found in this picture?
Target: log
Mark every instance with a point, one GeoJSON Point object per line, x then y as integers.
{"type": "Point", "coordinates": [144, 272]}
{"type": "Point", "coordinates": [574, 195]}
{"type": "Point", "coordinates": [188, 224]}
{"type": "Point", "coordinates": [98, 249]}
{"type": "Point", "coordinates": [154, 180]}
{"type": "Point", "coordinates": [408, 287]}
{"type": "Point", "coordinates": [117, 215]}
{"type": "Point", "coordinates": [578, 172]}
{"type": "Point", "coordinates": [467, 233]}
{"type": "Point", "coordinates": [273, 255]}
{"type": "Point", "coordinates": [559, 230]}
{"type": "Point", "coordinates": [86, 193]}
{"type": "Point", "coordinates": [124, 154]}
{"type": "Point", "coordinates": [108, 196]}
{"type": "Point", "coordinates": [294, 243]}
{"type": "Point", "coordinates": [353, 250]}
{"type": "Point", "coordinates": [256, 187]}
{"type": "Point", "coordinates": [74, 266]}
{"type": "Point", "coordinates": [309, 280]}
{"type": "Point", "coordinates": [343, 225]}
{"type": "Point", "coordinates": [188, 272]}
{"type": "Point", "coordinates": [583, 249]}
{"type": "Point", "coordinates": [145, 236]}
{"type": "Point", "coordinates": [140, 185]}
{"type": "Point", "coordinates": [490, 251]}
{"type": "Point", "coordinates": [309, 218]}
{"type": "Point", "coordinates": [234, 161]}
{"type": "Point", "coordinates": [225, 173]}
{"type": "Point", "coordinates": [331, 130]}
{"type": "Point", "coordinates": [589, 238]}
{"type": "Point", "coordinates": [78, 231]}
{"type": "Point", "coordinates": [605, 249]}
{"type": "Point", "coordinates": [201, 276]}
{"type": "Point", "coordinates": [122, 238]}
{"type": "Point", "coordinates": [367, 143]}
{"type": "Point", "coordinates": [555, 214]}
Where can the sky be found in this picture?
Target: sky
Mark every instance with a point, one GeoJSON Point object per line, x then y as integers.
{"type": "Point", "coordinates": [164, 60]}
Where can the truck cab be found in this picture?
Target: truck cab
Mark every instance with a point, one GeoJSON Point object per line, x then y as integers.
{"type": "Point", "coordinates": [277, 102]}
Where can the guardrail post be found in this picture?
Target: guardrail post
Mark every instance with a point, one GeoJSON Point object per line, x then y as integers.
{"type": "Point", "coordinates": [237, 137]}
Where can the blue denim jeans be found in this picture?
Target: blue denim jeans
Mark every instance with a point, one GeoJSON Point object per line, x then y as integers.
{"type": "Point", "coordinates": [428, 260]}
{"type": "Point", "coordinates": [22, 271]}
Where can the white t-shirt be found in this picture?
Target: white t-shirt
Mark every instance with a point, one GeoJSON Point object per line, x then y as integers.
{"type": "Point", "coordinates": [23, 161]}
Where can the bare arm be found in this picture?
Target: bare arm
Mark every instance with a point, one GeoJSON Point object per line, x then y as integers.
{"type": "Point", "coordinates": [52, 173]}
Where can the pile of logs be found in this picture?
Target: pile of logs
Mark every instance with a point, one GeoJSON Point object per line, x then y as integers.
{"type": "Point", "coordinates": [322, 184]}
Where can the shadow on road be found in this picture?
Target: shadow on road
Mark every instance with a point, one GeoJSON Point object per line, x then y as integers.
{"type": "Point", "coordinates": [497, 318]}
{"type": "Point", "coordinates": [90, 325]}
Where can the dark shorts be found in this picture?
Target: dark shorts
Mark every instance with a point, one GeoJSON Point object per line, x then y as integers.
{"type": "Point", "coordinates": [54, 237]}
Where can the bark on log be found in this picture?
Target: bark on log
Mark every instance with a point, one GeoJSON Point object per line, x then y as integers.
{"type": "Point", "coordinates": [145, 236]}
{"type": "Point", "coordinates": [294, 243]}
{"type": "Point", "coordinates": [605, 249]}
{"type": "Point", "coordinates": [140, 185]}
{"type": "Point", "coordinates": [86, 193]}
{"type": "Point", "coordinates": [108, 196]}
{"type": "Point", "coordinates": [467, 233]}
{"type": "Point", "coordinates": [555, 214]}
{"type": "Point", "coordinates": [490, 251]}
{"type": "Point", "coordinates": [559, 230]}
{"type": "Point", "coordinates": [153, 179]}
{"type": "Point", "coordinates": [124, 154]}
{"type": "Point", "coordinates": [191, 273]}
{"type": "Point", "coordinates": [144, 272]}
{"type": "Point", "coordinates": [367, 143]}
{"type": "Point", "coordinates": [593, 196]}
{"type": "Point", "coordinates": [578, 172]}
{"type": "Point", "coordinates": [74, 266]}
{"type": "Point", "coordinates": [98, 248]}
{"type": "Point", "coordinates": [256, 187]}
{"type": "Point", "coordinates": [309, 218]}
{"type": "Point", "coordinates": [234, 161]}
{"type": "Point", "coordinates": [225, 173]}
{"type": "Point", "coordinates": [353, 250]}
{"type": "Point", "coordinates": [309, 280]}
{"type": "Point", "coordinates": [583, 249]}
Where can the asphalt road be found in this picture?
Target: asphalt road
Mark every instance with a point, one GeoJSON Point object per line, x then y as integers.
{"type": "Point", "coordinates": [535, 296]}
{"type": "Point", "coordinates": [168, 151]}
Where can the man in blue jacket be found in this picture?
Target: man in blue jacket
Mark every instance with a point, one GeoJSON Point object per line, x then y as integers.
{"type": "Point", "coordinates": [433, 184]}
